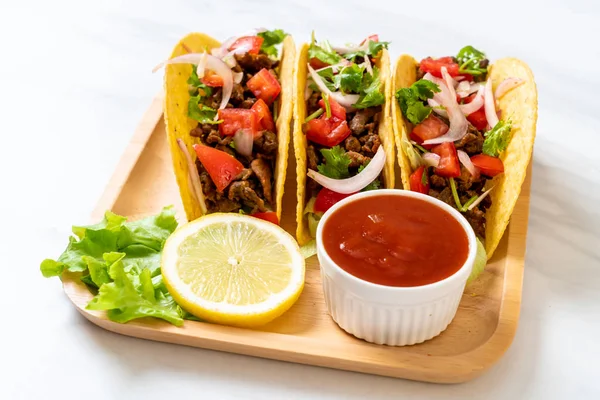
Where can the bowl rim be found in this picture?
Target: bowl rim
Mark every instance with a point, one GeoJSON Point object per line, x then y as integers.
{"type": "Point", "coordinates": [461, 274]}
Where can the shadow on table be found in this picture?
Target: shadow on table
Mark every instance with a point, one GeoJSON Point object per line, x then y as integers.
{"type": "Point", "coordinates": [563, 243]}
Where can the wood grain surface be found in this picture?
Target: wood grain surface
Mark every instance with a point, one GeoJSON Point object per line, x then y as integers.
{"type": "Point", "coordinates": [479, 335]}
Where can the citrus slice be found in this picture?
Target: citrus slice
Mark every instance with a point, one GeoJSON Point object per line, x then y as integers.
{"type": "Point", "coordinates": [233, 269]}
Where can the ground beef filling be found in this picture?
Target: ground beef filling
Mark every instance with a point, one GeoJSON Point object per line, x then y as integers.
{"type": "Point", "coordinates": [252, 190]}
{"type": "Point", "coordinates": [360, 146]}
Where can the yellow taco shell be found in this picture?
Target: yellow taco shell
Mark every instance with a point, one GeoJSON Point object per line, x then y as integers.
{"type": "Point", "coordinates": [300, 142]}
{"type": "Point", "coordinates": [520, 105]}
{"type": "Point", "coordinates": [178, 125]}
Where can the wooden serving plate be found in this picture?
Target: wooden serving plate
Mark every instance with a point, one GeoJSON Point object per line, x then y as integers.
{"type": "Point", "coordinates": [481, 332]}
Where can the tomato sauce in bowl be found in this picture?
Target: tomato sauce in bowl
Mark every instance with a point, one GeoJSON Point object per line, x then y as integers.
{"type": "Point", "coordinates": [395, 240]}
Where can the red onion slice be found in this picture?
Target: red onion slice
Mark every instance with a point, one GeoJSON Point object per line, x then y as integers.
{"type": "Point", "coordinates": [474, 105]}
{"type": "Point", "coordinates": [458, 122]}
{"type": "Point", "coordinates": [490, 105]}
{"type": "Point", "coordinates": [190, 58]}
{"type": "Point", "coordinates": [357, 182]}
{"type": "Point", "coordinates": [437, 108]}
{"type": "Point", "coordinates": [237, 77]}
{"type": "Point", "coordinates": [431, 159]}
{"type": "Point", "coordinates": [449, 81]}
{"type": "Point", "coordinates": [244, 142]}
{"type": "Point", "coordinates": [465, 88]}
{"type": "Point", "coordinates": [506, 86]}
{"type": "Point", "coordinates": [347, 101]}
{"type": "Point", "coordinates": [201, 65]}
{"type": "Point", "coordinates": [367, 65]}
{"type": "Point", "coordinates": [193, 176]}
{"type": "Point", "coordinates": [466, 161]}
{"type": "Point", "coordinates": [480, 199]}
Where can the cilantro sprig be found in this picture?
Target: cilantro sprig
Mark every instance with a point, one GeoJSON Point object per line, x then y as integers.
{"type": "Point", "coordinates": [370, 91]}
{"type": "Point", "coordinates": [411, 100]}
{"type": "Point", "coordinates": [323, 51]}
{"type": "Point", "coordinates": [496, 139]}
{"type": "Point", "coordinates": [373, 49]}
{"type": "Point", "coordinates": [469, 59]}
{"type": "Point", "coordinates": [336, 163]}
{"type": "Point", "coordinates": [271, 39]}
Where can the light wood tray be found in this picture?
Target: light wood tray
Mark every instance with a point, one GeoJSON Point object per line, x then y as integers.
{"type": "Point", "coordinates": [481, 332]}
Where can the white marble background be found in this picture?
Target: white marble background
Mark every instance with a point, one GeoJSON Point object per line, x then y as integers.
{"type": "Point", "coordinates": [74, 82]}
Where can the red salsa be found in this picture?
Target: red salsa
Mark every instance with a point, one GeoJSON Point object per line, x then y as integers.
{"type": "Point", "coordinates": [395, 241]}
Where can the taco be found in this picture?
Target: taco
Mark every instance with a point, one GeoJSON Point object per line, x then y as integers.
{"type": "Point", "coordinates": [227, 114]}
{"type": "Point", "coordinates": [343, 137]}
{"type": "Point", "coordinates": [465, 131]}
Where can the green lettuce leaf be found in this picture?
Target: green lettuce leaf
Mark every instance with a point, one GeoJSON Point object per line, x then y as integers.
{"type": "Point", "coordinates": [200, 112]}
{"type": "Point", "coordinates": [480, 262]}
{"type": "Point", "coordinates": [122, 260]}
{"type": "Point", "coordinates": [271, 39]}
{"type": "Point", "coordinates": [323, 52]}
{"type": "Point", "coordinates": [349, 79]}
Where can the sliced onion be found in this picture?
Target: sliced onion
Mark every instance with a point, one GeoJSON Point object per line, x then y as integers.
{"type": "Point", "coordinates": [465, 88]}
{"type": "Point", "coordinates": [450, 83]}
{"type": "Point", "coordinates": [307, 92]}
{"type": "Point", "coordinates": [459, 78]}
{"type": "Point", "coordinates": [202, 65]}
{"type": "Point", "coordinates": [193, 176]}
{"type": "Point", "coordinates": [474, 105]}
{"type": "Point", "coordinates": [367, 64]}
{"type": "Point", "coordinates": [480, 199]}
{"type": "Point", "coordinates": [466, 161]}
{"type": "Point", "coordinates": [357, 182]}
{"type": "Point", "coordinates": [336, 67]}
{"type": "Point", "coordinates": [437, 108]}
{"type": "Point", "coordinates": [190, 58]}
{"type": "Point", "coordinates": [507, 85]}
{"type": "Point", "coordinates": [458, 122]}
{"type": "Point", "coordinates": [244, 141]}
{"type": "Point", "coordinates": [431, 159]}
{"type": "Point", "coordinates": [490, 106]}
{"type": "Point", "coordinates": [237, 77]}
{"type": "Point", "coordinates": [346, 101]}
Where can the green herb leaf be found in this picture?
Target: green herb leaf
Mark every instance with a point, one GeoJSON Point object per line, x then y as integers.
{"type": "Point", "coordinates": [371, 95]}
{"type": "Point", "coordinates": [122, 259]}
{"type": "Point", "coordinates": [349, 79]}
{"type": "Point", "coordinates": [372, 50]}
{"type": "Point", "coordinates": [496, 139]}
{"type": "Point", "coordinates": [411, 100]}
{"type": "Point", "coordinates": [376, 184]}
{"type": "Point", "coordinates": [336, 163]}
{"type": "Point", "coordinates": [323, 52]}
{"type": "Point", "coordinates": [201, 112]}
{"type": "Point", "coordinates": [197, 87]}
{"type": "Point", "coordinates": [271, 39]}
{"type": "Point", "coordinates": [469, 58]}
{"type": "Point", "coordinates": [327, 105]}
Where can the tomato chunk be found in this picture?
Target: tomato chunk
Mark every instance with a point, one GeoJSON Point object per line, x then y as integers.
{"type": "Point", "coordinates": [490, 166]}
{"type": "Point", "coordinates": [430, 128]}
{"type": "Point", "coordinates": [434, 66]}
{"type": "Point", "coordinates": [448, 166]}
{"type": "Point", "coordinates": [317, 64]}
{"type": "Point", "coordinates": [327, 198]}
{"type": "Point", "coordinates": [416, 181]}
{"type": "Point", "coordinates": [264, 86]}
{"type": "Point", "coordinates": [252, 43]}
{"type": "Point", "coordinates": [212, 80]}
{"type": "Point", "coordinates": [477, 119]}
{"type": "Point", "coordinates": [337, 111]}
{"type": "Point", "coordinates": [327, 131]}
{"type": "Point", "coordinates": [238, 119]}
{"type": "Point", "coordinates": [221, 167]}
{"type": "Point", "coordinates": [269, 216]}
{"type": "Point", "coordinates": [265, 119]}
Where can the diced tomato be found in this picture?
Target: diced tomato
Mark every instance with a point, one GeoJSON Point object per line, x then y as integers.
{"type": "Point", "coordinates": [430, 128]}
{"type": "Point", "coordinates": [253, 43]}
{"type": "Point", "coordinates": [337, 111]}
{"type": "Point", "coordinates": [236, 119]}
{"type": "Point", "coordinates": [478, 117]}
{"type": "Point", "coordinates": [221, 167]}
{"type": "Point", "coordinates": [490, 166]}
{"type": "Point", "coordinates": [265, 119]}
{"type": "Point", "coordinates": [448, 165]}
{"type": "Point", "coordinates": [374, 38]}
{"type": "Point", "coordinates": [327, 131]}
{"type": "Point", "coordinates": [212, 80]}
{"type": "Point", "coordinates": [327, 198]}
{"type": "Point", "coordinates": [317, 64]}
{"type": "Point", "coordinates": [434, 66]}
{"type": "Point", "coordinates": [416, 181]}
{"type": "Point", "coordinates": [264, 86]}
{"type": "Point", "coordinates": [269, 216]}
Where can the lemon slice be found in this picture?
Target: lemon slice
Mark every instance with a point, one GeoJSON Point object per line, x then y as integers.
{"type": "Point", "coordinates": [233, 269]}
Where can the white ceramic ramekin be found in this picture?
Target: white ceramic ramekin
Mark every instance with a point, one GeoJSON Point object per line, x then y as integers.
{"type": "Point", "coordinates": [395, 316]}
